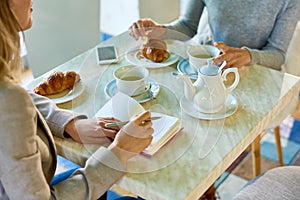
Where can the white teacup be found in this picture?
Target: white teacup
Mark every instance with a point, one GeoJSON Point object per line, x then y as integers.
{"type": "Point", "coordinates": [131, 80]}
{"type": "Point", "coordinates": [200, 54]}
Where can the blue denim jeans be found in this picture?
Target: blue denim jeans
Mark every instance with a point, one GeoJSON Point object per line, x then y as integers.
{"type": "Point", "coordinates": [111, 195]}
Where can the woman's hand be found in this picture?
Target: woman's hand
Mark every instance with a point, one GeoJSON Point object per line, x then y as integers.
{"type": "Point", "coordinates": [91, 131]}
{"type": "Point", "coordinates": [133, 138]}
{"type": "Point", "coordinates": [146, 27]}
{"type": "Point", "coordinates": [234, 57]}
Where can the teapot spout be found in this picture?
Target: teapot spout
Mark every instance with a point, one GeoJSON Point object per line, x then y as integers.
{"type": "Point", "coordinates": [189, 88]}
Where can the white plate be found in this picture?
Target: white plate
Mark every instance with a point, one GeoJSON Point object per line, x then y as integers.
{"type": "Point", "coordinates": [133, 56]}
{"type": "Point", "coordinates": [183, 66]}
{"type": "Point", "coordinates": [61, 97]}
{"type": "Point", "coordinates": [111, 89]}
{"type": "Point", "coordinates": [231, 106]}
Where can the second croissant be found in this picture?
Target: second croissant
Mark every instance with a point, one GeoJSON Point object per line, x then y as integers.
{"type": "Point", "coordinates": [155, 50]}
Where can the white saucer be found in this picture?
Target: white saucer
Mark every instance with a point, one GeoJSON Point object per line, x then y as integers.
{"type": "Point", "coordinates": [111, 89]}
{"type": "Point", "coordinates": [231, 106]}
{"type": "Point", "coordinates": [133, 56]}
{"type": "Point", "coordinates": [183, 66]}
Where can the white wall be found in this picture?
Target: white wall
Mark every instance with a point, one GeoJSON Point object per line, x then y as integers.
{"type": "Point", "coordinates": [62, 29]}
{"type": "Point", "coordinates": [117, 15]}
{"type": "Point", "coordinates": [162, 11]}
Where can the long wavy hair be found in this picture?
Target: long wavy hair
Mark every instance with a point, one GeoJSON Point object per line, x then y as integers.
{"type": "Point", "coordinates": [10, 60]}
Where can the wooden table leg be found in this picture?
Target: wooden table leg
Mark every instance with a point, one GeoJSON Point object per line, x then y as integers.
{"type": "Point", "coordinates": [256, 156]}
{"type": "Point", "coordinates": [210, 194]}
{"type": "Point", "coordinates": [278, 145]}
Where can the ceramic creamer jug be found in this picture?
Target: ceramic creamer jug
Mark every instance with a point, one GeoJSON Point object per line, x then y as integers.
{"type": "Point", "coordinates": [208, 93]}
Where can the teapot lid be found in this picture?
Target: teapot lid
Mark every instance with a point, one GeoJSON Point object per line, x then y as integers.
{"type": "Point", "coordinates": [210, 69]}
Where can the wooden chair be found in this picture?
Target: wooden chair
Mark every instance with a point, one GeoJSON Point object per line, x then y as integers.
{"type": "Point", "coordinates": [277, 183]}
{"type": "Point", "coordinates": [255, 146]}
{"type": "Point", "coordinates": [292, 60]}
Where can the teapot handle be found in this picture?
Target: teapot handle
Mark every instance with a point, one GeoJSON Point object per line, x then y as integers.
{"type": "Point", "coordinates": [236, 79]}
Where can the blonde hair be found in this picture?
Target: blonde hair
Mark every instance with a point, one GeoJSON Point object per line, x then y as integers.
{"type": "Point", "coordinates": [10, 60]}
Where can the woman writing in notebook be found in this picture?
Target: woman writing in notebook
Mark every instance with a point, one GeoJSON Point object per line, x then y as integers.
{"type": "Point", "coordinates": [27, 122]}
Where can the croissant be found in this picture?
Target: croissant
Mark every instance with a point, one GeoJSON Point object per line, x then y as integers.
{"type": "Point", "coordinates": [57, 82]}
{"type": "Point", "coordinates": [155, 50]}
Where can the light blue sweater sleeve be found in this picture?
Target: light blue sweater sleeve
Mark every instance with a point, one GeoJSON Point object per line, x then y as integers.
{"type": "Point", "coordinates": [263, 27]}
{"type": "Point", "coordinates": [188, 22]}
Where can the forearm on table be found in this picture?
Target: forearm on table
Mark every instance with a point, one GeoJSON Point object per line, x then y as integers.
{"type": "Point", "coordinates": [179, 30]}
{"type": "Point", "coordinates": [56, 118]}
{"type": "Point", "coordinates": [272, 55]}
{"type": "Point", "coordinates": [267, 57]}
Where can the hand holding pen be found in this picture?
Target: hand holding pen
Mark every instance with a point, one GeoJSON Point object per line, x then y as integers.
{"type": "Point", "coordinates": [133, 138]}
{"type": "Point", "coordinates": [121, 123]}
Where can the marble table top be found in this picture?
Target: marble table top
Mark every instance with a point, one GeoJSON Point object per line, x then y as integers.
{"type": "Point", "coordinates": [192, 161]}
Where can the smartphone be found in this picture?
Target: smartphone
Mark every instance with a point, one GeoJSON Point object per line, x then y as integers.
{"type": "Point", "coordinates": [107, 54]}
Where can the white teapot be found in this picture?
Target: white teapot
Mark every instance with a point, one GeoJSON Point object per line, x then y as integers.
{"type": "Point", "coordinates": [208, 93]}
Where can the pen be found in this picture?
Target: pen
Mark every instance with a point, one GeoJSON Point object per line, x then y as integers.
{"type": "Point", "coordinates": [109, 125]}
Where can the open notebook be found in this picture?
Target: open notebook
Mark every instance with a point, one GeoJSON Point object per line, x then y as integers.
{"type": "Point", "coordinates": [123, 107]}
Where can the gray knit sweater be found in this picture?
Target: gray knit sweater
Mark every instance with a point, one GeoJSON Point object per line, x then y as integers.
{"type": "Point", "coordinates": [264, 27]}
